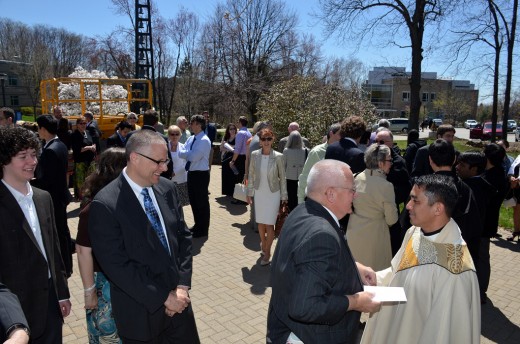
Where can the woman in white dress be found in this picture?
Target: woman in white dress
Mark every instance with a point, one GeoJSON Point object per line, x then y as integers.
{"type": "Point", "coordinates": [266, 183]}
{"type": "Point", "coordinates": [179, 175]}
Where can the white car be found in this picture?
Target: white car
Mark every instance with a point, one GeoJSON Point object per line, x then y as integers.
{"type": "Point", "coordinates": [470, 123]}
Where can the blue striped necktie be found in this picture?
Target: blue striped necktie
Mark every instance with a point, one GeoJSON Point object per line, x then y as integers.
{"type": "Point", "coordinates": [153, 216]}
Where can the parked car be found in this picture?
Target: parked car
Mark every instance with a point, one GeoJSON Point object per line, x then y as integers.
{"type": "Point", "coordinates": [399, 125]}
{"type": "Point", "coordinates": [511, 125]}
{"type": "Point", "coordinates": [483, 132]}
{"type": "Point", "coordinates": [470, 123]}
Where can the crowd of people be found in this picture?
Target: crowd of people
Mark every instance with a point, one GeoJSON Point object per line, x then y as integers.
{"type": "Point", "coordinates": [345, 229]}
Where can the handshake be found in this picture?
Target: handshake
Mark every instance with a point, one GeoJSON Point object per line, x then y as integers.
{"type": "Point", "coordinates": [178, 300]}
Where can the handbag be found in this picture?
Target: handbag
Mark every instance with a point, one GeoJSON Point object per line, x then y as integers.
{"type": "Point", "coordinates": [283, 212]}
{"type": "Point", "coordinates": [240, 192]}
{"type": "Point", "coordinates": [510, 199]}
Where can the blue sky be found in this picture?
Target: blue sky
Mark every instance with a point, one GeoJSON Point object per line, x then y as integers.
{"type": "Point", "coordinates": [96, 17]}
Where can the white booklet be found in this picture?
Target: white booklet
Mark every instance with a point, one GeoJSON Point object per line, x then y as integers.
{"type": "Point", "coordinates": [387, 294]}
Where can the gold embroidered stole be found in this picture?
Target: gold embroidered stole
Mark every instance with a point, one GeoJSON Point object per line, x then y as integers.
{"type": "Point", "coordinates": [421, 251]}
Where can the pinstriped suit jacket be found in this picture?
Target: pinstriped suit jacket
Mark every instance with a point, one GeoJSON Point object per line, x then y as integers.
{"type": "Point", "coordinates": [312, 272]}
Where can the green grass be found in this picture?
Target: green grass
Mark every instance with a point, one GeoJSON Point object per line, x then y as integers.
{"type": "Point", "coordinates": [506, 214]}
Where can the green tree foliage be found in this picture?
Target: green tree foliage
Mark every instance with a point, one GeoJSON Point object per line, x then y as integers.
{"type": "Point", "coordinates": [313, 105]}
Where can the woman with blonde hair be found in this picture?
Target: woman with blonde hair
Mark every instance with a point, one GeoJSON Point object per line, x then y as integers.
{"type": "Point", "coordinates": [368, 232]}
{"type": "Point", "coordinates": [294, 157]}
{"type": "Point", "coordinates": [179, 175]}
{"type": "Point", "coordinates": [266, 184]}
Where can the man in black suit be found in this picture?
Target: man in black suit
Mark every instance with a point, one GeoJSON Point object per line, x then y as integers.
{"type": "Point", "coordinates": [93, 130]}
{"type": "Point", "coordinates": [12, 319]}
{"type": "Point", "coordinates": [141, 242]}
{"type": "Point", "coordinates": [317, 287]}
{"type": "Point", "coordinates": [346, 149]}
{"type": "Point", "coordinates": [118, 139]}
{"type": "Point", "coordinates": [51, 176]}
{"type": "Point", "coordinates": [30, 261]}
{"type": "Point", "coordinates": [421, 165]}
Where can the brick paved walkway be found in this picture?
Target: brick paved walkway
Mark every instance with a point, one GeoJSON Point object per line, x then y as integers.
{"type": "Point", "coordinates": [231, 291]}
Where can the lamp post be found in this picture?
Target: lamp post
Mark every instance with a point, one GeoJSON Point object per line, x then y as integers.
{"type": "Point", "coordinates": [3, 78]}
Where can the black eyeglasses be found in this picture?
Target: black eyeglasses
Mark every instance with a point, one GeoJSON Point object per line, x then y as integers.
{"type": "Point", "coordinates": [131, 118]}
{"type": "Point", "coordinates": [158, 162]}
{"type": "Point", "coordinates": [174, 134]}
{"type": "Point", "coordinates": [266, 139]}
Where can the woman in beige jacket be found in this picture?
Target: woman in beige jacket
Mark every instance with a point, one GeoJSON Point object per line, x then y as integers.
{"type": "Point", "coordinates": [266, 183]}
{"type": "Point", "coordinates": [375, 211]}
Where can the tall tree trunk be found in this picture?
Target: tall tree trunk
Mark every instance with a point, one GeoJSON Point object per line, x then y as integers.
{"type": "Point", "coordinates": [510, 46]}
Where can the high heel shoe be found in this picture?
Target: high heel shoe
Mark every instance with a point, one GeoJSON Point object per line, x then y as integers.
{"type": "Point", "coordinates": [513, 236]}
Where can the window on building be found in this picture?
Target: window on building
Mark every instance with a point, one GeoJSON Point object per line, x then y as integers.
{"type": "Point", "coordinates": [13, 80]}
{"type": "Point", "coordinates": [406, 96]}
{"type": "Point", "coordinates": [432, 97]}
{"type": "Point", "coordinates": [425, 96]}
{"type": "Point", "coordinates": [15, 101]}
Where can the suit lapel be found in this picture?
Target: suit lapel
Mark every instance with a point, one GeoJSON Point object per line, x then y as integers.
{"type": "Point", "coordinates": [135, 210]}
{"type": "Point", "coordinates": [45, 224]}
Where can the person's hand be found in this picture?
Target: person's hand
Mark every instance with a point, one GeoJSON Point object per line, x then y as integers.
{"type": "Point", "coordinates": [249, 200]}
{"type": "Point", "coordinates": [19, 336]}
{"type": "Point", "coordinates": [91, 300]}
{"type": "Point", "coordinates": [65, 307]}
{"type": "Point", "coordinates": [363, 302]}
{"type": "Point", "coordinates": [368, 276]}
{"type": "Point", "coordinates": [177, 301]}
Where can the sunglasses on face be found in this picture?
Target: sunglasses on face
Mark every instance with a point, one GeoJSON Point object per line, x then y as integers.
{"type": "Point", "coordinates": [174, 134]}
{"type": "Point", "coordinates": [266, 139]}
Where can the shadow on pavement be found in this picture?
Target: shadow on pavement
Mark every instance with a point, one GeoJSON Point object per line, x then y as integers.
{"type": "Point", "coordinates": [72, 214]}
{"type": "Point", "coordinates": [196, 245]}
{"type": "Point", "coordinates": [258, 277]}
{"type": "Point", "coordinates": [233, 209]}
{"type": "Point", "coordinates": [497, 327]}
{"type": "Point", "coordinates": [251, 238]}
{"type": "Point", "coordinates": [510, 245]}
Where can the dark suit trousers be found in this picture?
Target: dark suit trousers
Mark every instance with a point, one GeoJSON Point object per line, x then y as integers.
{"type": "Point", "coordinates": [181, 330]}
{"type": "Point", "coordinates": [62, 228]}
{"type": "Point", "coordinates": [198, 184]}
{"type": "Point", "coordinates": [53, 328]}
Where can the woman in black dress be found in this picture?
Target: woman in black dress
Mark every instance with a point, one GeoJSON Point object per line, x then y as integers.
{"type": "Point", "coordinates": [229, 179]}
{"type": "Point", "coordinates": [84, 153]}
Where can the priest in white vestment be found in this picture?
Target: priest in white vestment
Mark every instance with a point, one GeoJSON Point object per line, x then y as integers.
{"type": "Point", "coordinates": [437, 273]}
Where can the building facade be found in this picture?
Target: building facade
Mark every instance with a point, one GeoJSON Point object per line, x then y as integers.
{"type": "Point", "coordinates": [389, 89]}
{"type": "Point", "coordinates": [14, 86]}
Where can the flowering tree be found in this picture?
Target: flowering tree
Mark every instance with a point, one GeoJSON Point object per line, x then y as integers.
{"type": "Point", "coordinates": [71, 91]}
{"type": "Point", "coordinates": [314, 105]}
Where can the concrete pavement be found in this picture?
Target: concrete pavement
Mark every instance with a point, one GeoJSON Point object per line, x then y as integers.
{"type": "Point", "coordinates": [231, 291]}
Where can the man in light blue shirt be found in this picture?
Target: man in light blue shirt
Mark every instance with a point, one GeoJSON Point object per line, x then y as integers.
{"type": "Point", "coordinates": [198, 147]}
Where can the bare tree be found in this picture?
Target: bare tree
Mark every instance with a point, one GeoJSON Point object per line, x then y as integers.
{"type": "Point", "coordinates": [360, 19]}
{"type": "Point", "coordinates": [244, 46]}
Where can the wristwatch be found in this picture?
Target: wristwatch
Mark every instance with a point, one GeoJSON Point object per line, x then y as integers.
{"type": "Point", "coordinates": [18, 326]}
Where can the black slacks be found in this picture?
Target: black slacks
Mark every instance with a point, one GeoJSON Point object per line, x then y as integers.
{"type": "Point", "coordinates": [198, 184]}
{"type": "Point", "coordinates": [54, 325]}
{"type": "Point", "coordinates": [181, 330]}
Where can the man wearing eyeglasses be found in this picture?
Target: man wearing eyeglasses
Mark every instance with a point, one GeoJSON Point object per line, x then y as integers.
{"type": "Point", "coordinates": [196, 154]}
{"type": "Point", "coordinates": [317, 286]}
{"type": "Point", "coordinates": [141, 241]}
